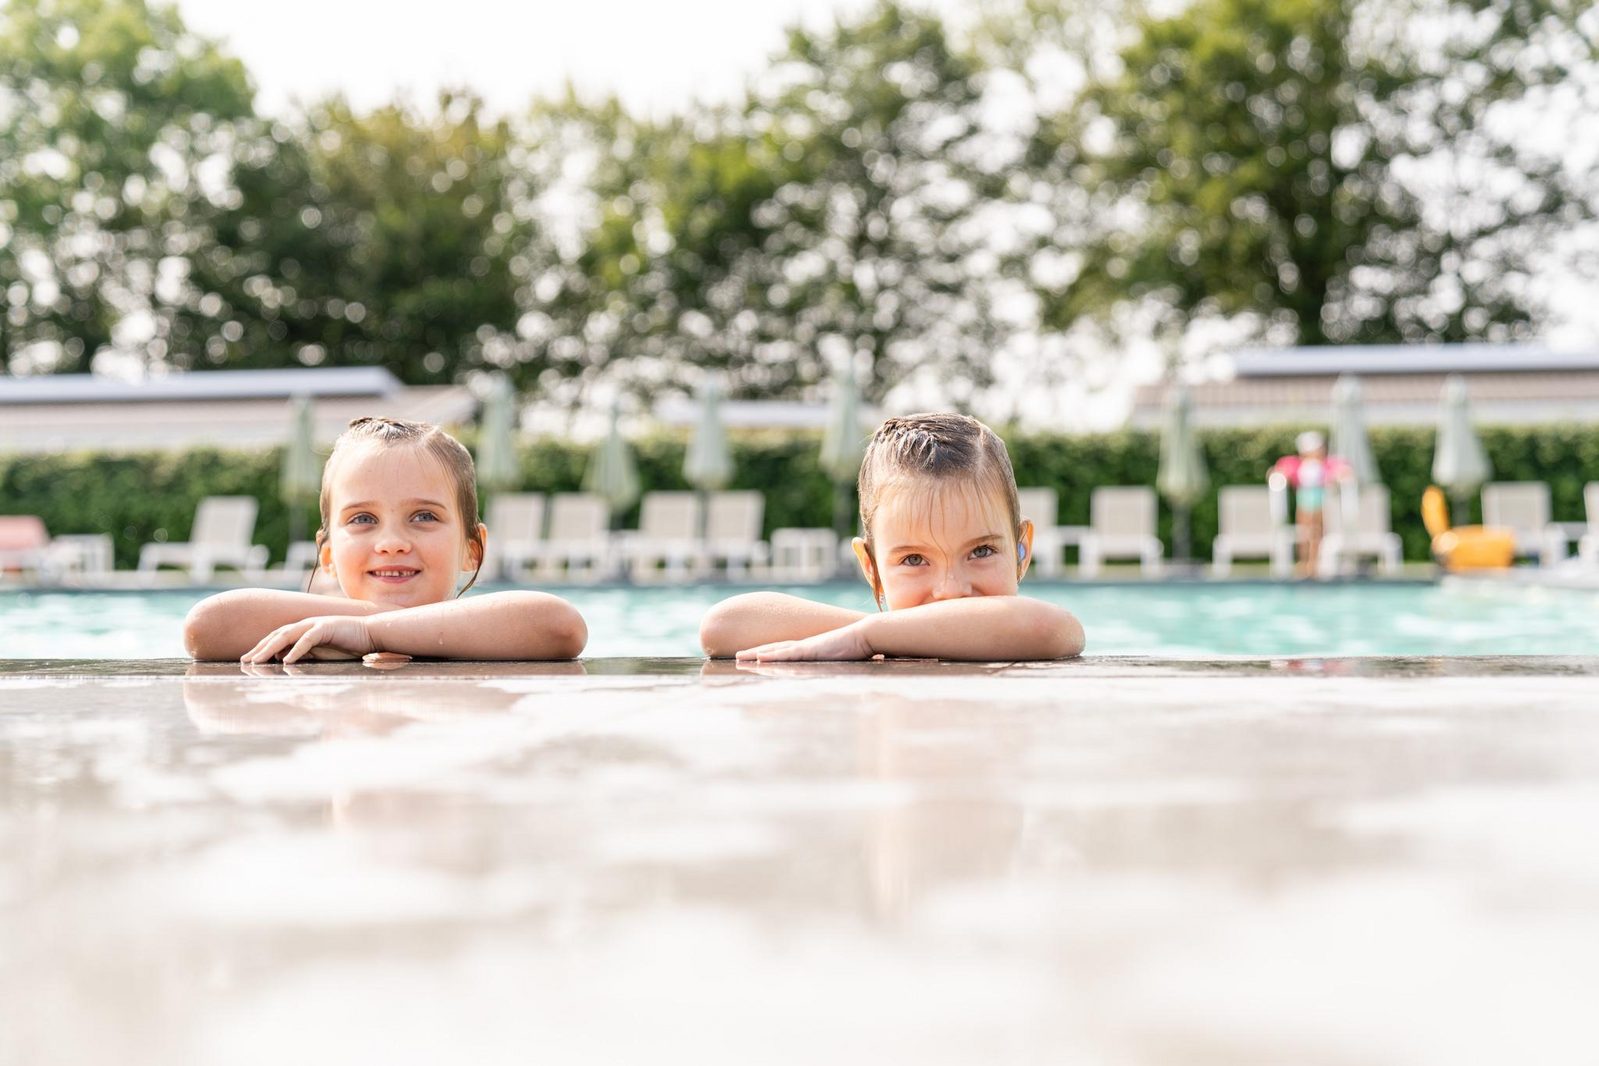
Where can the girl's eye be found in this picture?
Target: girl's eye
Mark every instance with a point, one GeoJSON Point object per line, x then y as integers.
{"type": "Point", "coordinates": [983, 551]}
{"type": "Point", "coordinates": [361, 519]}
{"type": "Point", "coordinates": [425, 516]}
{"type": "Point", "coordinates": [912, 560]}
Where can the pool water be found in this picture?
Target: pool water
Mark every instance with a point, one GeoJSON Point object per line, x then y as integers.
{"type": "Point", "coordinates": [1174, 619]}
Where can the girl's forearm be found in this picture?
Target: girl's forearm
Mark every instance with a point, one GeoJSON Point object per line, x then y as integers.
{"type": "Point", "coordinates": [500, 625]}
{"type": "Point", "coordinates": [227, 625]}
{"type": "Point", "coordinates": [977, 628]}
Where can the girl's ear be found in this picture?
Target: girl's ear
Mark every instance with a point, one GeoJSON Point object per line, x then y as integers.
{"type": "Point", "coordinates": [475, 547]}
{"type": "Point", "coordinates": [1024, 546]}
{"type": "Point", "coordinates": [324, 550]}
{"type": "Point", "coordinates": [863, 556]}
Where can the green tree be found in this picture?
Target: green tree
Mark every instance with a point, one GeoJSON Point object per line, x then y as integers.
{"type": "Point", "coordinates": [1331, 171]}
{"type": "Point", "coordinates": [113, 118]}
{"type": "Point", "coordinates": [387, 239]}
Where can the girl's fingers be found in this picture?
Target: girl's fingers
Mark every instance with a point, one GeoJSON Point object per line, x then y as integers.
{"type": "Point", "coordinates": [302, 647]}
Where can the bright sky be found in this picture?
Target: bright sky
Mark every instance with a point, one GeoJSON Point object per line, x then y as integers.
{"type": "Point", "coordinates": [656, 55]}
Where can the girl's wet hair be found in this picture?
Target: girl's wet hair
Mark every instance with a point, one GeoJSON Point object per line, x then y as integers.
{"type": "Point", "coordinates": [380, 431]}
{"type": "Point", "coordinates": [943, 447]}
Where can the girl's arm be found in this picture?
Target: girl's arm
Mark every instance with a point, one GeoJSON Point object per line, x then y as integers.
{"type": "Point", "coordinates": [977, 628]}
{"type": "Point", "coordinates": [227, 625]}
{"type": "Point", "coordinates": [500, 625]}
{"type": "Point", "coordinates": [755, 618]}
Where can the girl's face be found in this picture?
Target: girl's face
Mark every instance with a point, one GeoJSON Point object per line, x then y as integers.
{"type": "Point", "coordinates": [395, 535]}
{"type": "Point", "coordinates": [943, 541]}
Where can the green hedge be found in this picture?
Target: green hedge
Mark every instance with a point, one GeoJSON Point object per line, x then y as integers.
{"type": "Point", "coordinates": [140, 497]}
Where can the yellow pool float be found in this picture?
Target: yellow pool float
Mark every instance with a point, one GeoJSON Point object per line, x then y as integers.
{"type": "Point", "coordinates": [1464, 547]}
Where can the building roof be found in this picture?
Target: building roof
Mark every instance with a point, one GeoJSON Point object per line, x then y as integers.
{"type": "Point", "coordinates": [220, 408]}
{"type": "Point", "coordinates": [1375, 359]}
{"type": "Point", "coordinates": [1507, 384]}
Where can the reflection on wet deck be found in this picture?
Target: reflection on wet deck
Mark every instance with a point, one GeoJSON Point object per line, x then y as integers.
{"type": "Point", "coordinates": [1114, 860]}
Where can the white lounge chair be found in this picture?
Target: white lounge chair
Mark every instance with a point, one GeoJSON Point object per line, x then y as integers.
{"type": "Point", "coordinates": [668, 533]}
{"type": "Point", "coordinates": [579, 540]}
{"type": "Point", "coordinates": [516, 533]}
{"type": "Point", "coordinates": [1121, 525]}
{"type": "Point", "coordinates": [223, 527]}
{"type": "Point", "coordinates": [733, 533]}
{"type": "Point", "coordinates": [1348, 538]}
{"type": "Point", "coordinates": [1588, 545]}
{"type": "Point", "coordinates": [1050, 541]}
{"type": "Point", "coordinates": [1250, 528]}
{"type": "Point", "coordinates": [1523, 508]}
{"type": "Point", "coordinates": [804, 554]}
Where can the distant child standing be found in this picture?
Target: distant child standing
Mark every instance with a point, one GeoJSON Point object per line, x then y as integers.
{"type": "Point", "coordinates": [399, 529]}
{"type": "Point", "coordinates": [944, 548]}
{"type": "Point", "coordinates": [1312, 473]}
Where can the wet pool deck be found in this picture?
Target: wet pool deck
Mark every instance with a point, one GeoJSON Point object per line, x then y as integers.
{"type": "Point", "coordinates": [1111, 861]}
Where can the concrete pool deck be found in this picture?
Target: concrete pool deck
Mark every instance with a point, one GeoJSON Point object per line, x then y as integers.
{"type": "Point", "coordinates": [1107, 861]}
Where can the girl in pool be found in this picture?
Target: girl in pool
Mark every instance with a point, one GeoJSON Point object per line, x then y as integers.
{"type": "Point", "coordinates": [399, 528]}
{"type": "Point", "coordinates": [943, 550]}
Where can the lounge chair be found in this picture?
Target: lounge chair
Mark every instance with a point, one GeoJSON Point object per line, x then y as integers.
{"type": "Point", "coordinates": [1352, 537]}
{"type": "Point", "coordinates": [668, 534]}
{"type": "Point", "coordinates": [733, 533]}
{"type": "Point", "coordinates": [804, 554]}
{"type": "Point", "coordinates": [1121, 525]}
{"type": "Point", "coordinates": [516, 533]}
{"type": "Point", "coordinates": [579, 538]}
{"type": "Point", "coordinates": [1588, 545]}
{"type": "Point", "coordinates": [1050, 541]}
{"type": "Point", "coordinates": [1523, 508]}
{"type": "Point", "coordinates": [1250, 528]}
{"type": "Point", "coordinates": [220, 536]}
{"type": "Point", "coordinates": [24, 544]}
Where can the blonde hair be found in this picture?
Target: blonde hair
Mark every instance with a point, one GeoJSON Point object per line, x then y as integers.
{"type": "Point", "coordinates": [941, 446]}
{"type": "Point", "coordinates": [385, 432]}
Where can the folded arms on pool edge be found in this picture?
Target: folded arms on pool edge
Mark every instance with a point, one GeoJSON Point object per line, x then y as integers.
{"type": "Point", "coordinates": [773, 626]}
{"type": "Point", "coordinates": [499, 625]}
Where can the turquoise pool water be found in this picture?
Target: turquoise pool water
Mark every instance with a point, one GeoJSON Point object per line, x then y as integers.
{"type": "Point", "coordinates": [1183, 620]}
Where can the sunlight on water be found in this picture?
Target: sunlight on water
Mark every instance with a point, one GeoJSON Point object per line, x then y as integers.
{"type": "Point", "coordinates": [1174, 620]}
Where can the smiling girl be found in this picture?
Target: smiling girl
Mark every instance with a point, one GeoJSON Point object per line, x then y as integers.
{"type": "Point", "coordinates": [399, 529]}
{"type": "Point", "coordinates": [944, 550]}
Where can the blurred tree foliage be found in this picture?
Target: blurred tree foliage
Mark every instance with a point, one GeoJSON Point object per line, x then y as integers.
{"type": "Point", "coordinates": [889, 191]}
{"type": "Point", "coordinates": [114, 123]}
{"type": "Point", "coordinates": [1338, 171]}
{"type": "Point", "coordinates": [382, 239]}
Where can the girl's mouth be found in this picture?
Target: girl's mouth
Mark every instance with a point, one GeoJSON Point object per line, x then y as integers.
{"type": "Point", "coordinates": [393, 575]}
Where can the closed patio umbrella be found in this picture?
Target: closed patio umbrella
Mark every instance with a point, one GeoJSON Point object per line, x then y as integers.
{"type": "Point", "coordinates": [497, 468]}
{"type": "Point", "coordinates": [612, 473]}
{"type": "Point", "coordinates": [1459, 463]}
{"type": "Point", "coordinates": [843, 444]}
{"type": "Point", "coordinates": [708, 463]}
{"type": "Point", "coordinates": [1349, 440]}
{"type": "Point", "coordinates": [300, 479]}
{"type": "Point", "coordinates": [1181, 478]}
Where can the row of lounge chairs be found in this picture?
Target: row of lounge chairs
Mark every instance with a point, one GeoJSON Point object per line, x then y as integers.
{"type": "Point", "coordinates": [684, 535]}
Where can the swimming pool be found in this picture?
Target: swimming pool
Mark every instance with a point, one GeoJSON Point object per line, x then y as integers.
{"type": "Point", "coordinates": [1171, 619]}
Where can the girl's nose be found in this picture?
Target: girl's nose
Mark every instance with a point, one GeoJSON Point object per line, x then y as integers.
{"type": "Point", "coordinates": [392, 539]}
{"type": "Point", "coordinates": [952, 585]}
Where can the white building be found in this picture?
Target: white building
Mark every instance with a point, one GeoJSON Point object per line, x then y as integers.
{"type": "Point", "coordinates": [217, 408]}
{"type": "Point", "coordinates": [1515, 384]}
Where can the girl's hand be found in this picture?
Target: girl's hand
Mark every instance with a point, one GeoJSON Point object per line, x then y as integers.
{"type": "Point", "coordinates": [845, 644]}
{"type": "Point", "coordinates": [324, 638]}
